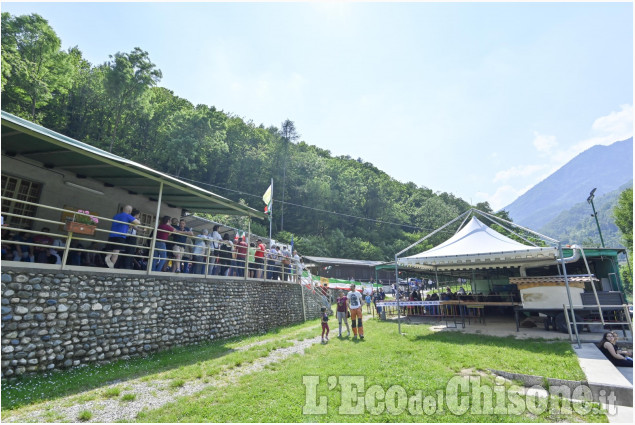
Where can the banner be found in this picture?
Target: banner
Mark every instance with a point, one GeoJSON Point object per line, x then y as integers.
{"type": "Point", "coordinates": [406, 303]}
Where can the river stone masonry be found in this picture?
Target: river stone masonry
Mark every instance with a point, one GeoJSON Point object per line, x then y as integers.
{"type": "Point", "coordinates": [55, 320]}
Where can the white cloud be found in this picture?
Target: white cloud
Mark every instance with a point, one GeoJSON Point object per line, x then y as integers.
{"type": "Point", "coordinates": [544, 143]}
{"type": "Point", "coordinates": [518, 171]}
{"type": "Point", "coordinates": [619, 124]}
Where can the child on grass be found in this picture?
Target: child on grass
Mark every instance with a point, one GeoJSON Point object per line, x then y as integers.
{"type": "Point", "coordinates": [325, 324]}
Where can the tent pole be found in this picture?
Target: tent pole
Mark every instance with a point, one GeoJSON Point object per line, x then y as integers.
{"type": "Point", "coordinates": [494, 218]}
{"type": "Point", "coordinates": [430, 234]}
{"type": "Point", "coordinates": [462, 223]}
{"type": "Point", "coordinates": [397, 294]}
{"type": "Point", "coordinates": [436, 275]}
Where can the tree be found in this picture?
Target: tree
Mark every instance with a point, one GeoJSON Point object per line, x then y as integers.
{"type": "Point", "coordinates": [288, 134]}
{"type": "Point", "coordinates": [129, 77]}
{"type": "Point", "coordinates": [623, 213]}
{"type": "Point", "coordinates": [35, 67]}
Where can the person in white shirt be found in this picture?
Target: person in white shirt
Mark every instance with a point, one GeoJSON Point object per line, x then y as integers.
{"type": "Point", "coordinates": [285, 258]}
{"type": "Point", "coordinates": [297, 267]}
{"type": "Point", "coordinates": [355, 307]}
{"type": "Point", "coordinates": [213, 266]}
{"type": "Point", "coordinates": [200, 249]}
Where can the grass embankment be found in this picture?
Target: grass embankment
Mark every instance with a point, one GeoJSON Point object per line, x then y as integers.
{"type": "Point", "coordinates": [420, 360]}
{"type": "Point", "coordinates": [191, 362]}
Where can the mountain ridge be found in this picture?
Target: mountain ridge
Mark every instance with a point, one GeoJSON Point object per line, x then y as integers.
{"type": "Point", "coordinates": [603, 167]}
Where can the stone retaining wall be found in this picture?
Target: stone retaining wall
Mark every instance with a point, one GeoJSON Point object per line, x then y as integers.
{"type": "Point", "coordinates": [53, 320]}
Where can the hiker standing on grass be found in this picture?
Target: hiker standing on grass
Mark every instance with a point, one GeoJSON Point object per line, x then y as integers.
{"type": "Point", "coordinates": [342, 313]}
{"type": "Point", "coordinates": [355, 306]}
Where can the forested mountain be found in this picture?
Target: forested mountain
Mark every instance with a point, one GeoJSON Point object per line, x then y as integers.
{"type": "Point", "coordinates": [603, 167]}
{"type": "Point", "coordinates": [119, 106]}
{"type": "Point", "coordinates": [577, 225]}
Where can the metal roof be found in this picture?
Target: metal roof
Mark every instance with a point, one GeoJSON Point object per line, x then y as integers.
{"type": "Point", "coordinates": [22, 137]}
{"type": "Point", "coordinates": [343, 261]}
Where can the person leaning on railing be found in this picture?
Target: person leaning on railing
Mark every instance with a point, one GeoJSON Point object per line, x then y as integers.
{"type": "Point", "coordinates": [297, 266]}
{"type": "Point", "coordinates": [199, 252]}
{"type": "Point", "coordinates": [180, 239]}
{"type": "Point", "coordinates": [214, 261]}
{"type": "Point", "coordinates": [163, 233]}
{"type": "Point", "coordinates": [131, 240]}
{"type": "Point", "coordinates": [119, 230]}
{"type": "Point", "coordinates": [259, 258]}
{"type": "Point", "coordinates": [251, 260]}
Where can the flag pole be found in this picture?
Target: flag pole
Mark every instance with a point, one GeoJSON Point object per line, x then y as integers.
{"type": "Point", "coordinates": [271, 212]}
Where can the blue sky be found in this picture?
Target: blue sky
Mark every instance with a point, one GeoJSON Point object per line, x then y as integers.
{"type": "Point", "coordinates": [479, 100]}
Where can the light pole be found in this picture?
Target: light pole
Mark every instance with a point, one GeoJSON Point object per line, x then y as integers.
{"type": "Point", "coordinates": [595, 214]}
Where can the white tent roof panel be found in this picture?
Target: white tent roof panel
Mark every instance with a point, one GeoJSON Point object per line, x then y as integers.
{"type": "Point", "coordinates": [478, 246]}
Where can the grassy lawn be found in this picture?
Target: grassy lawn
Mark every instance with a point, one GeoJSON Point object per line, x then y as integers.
{"type": "Point", "coordinates": [417, 365]}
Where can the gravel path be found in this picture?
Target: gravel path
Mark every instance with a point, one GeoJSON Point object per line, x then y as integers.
{"type": "Point", "coordinates": [150, 395]}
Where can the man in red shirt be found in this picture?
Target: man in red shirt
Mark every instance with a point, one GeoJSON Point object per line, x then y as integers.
{"type": "Point", "coordinates": [160, 253]}
{"type": "Point", "coordinates": [260, 258]}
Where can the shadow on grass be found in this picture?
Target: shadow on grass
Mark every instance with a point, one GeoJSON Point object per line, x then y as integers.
{"type": "Point", "coordinates": [531, 345]}
{"type": "Point", "coordinates": [53, 385]}
{"type": "Point", "coordinates": [536, 346]}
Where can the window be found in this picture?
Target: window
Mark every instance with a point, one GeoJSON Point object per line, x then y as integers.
{"type": "Point", "coordinates": [147, 220]}
{"type": "Point", "coordinates": [23, 190]}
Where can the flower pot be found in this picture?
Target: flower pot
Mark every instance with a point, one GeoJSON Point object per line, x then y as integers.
{"type": "Point", "coordinates": [81, 228]}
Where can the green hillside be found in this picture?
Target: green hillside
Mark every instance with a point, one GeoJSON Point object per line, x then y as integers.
{"type": "Point", "coordinates": [577, 225]}
{"type": "Point", "coordinates": [119, 106]}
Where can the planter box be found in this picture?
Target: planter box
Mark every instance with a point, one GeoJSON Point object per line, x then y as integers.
{"type": "Point", "coordinates": [81, 228]}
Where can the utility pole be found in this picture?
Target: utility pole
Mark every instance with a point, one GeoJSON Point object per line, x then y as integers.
{"type": "Point", "coordinates": [595, 214]}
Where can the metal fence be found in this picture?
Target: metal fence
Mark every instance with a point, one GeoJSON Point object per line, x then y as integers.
{"type": "Point", "coordinates": [77, 242]}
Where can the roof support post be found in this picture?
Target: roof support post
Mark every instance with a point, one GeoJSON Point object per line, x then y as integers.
{"type": "Point", "coordinates": [248, 242]}
{"type": "Point", "coordinates": [154, 233]}
{"type": "Point", "coordinates": [66, 250]}
{"type": "Point", "coordinates": [566, 282]}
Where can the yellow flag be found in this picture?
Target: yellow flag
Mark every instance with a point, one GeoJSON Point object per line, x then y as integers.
{"type": "Point", "coordinates": [267, 196]}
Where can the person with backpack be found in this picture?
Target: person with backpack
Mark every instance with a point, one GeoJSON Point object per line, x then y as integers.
{"type": "Point", "coordinates": [355, 307]}
{"type": "Point", "coordinates": [342, 313]}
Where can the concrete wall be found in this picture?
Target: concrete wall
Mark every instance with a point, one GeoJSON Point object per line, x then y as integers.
{"type": "Point", "coordinates": [53, 320]}
{"type": "Point", "coordinates": [57, 194]}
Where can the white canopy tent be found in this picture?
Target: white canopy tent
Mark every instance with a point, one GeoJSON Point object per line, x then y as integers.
{"type": "Point", "coordinates": [478, 246]}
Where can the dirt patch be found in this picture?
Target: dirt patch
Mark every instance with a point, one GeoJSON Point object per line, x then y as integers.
{"type": "Point", "coordinates": [148, 395]}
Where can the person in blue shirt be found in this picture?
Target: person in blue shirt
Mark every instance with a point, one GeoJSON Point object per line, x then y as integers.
{"type": "Point", "coordinates": [118, 233]}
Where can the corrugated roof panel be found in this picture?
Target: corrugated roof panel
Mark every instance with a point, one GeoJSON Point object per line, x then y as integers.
{"type": "Point", "coordinates": [22, 137]}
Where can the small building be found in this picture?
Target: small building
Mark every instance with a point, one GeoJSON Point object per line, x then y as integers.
{"type": "Point", "coordinates": [342, 268]}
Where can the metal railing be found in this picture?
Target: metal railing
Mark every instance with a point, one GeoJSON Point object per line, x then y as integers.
{"type": "Point", "coordinates": [618, 315]}
{"type": "Point", "coordinates": [199, 255]}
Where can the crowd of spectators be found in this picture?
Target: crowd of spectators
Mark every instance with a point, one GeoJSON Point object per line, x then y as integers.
{"type": "Point", "coordinates": [177, 249]}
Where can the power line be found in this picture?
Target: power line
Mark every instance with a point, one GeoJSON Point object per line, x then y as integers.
{"type": "Point", "coordinates": [304, 206]}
